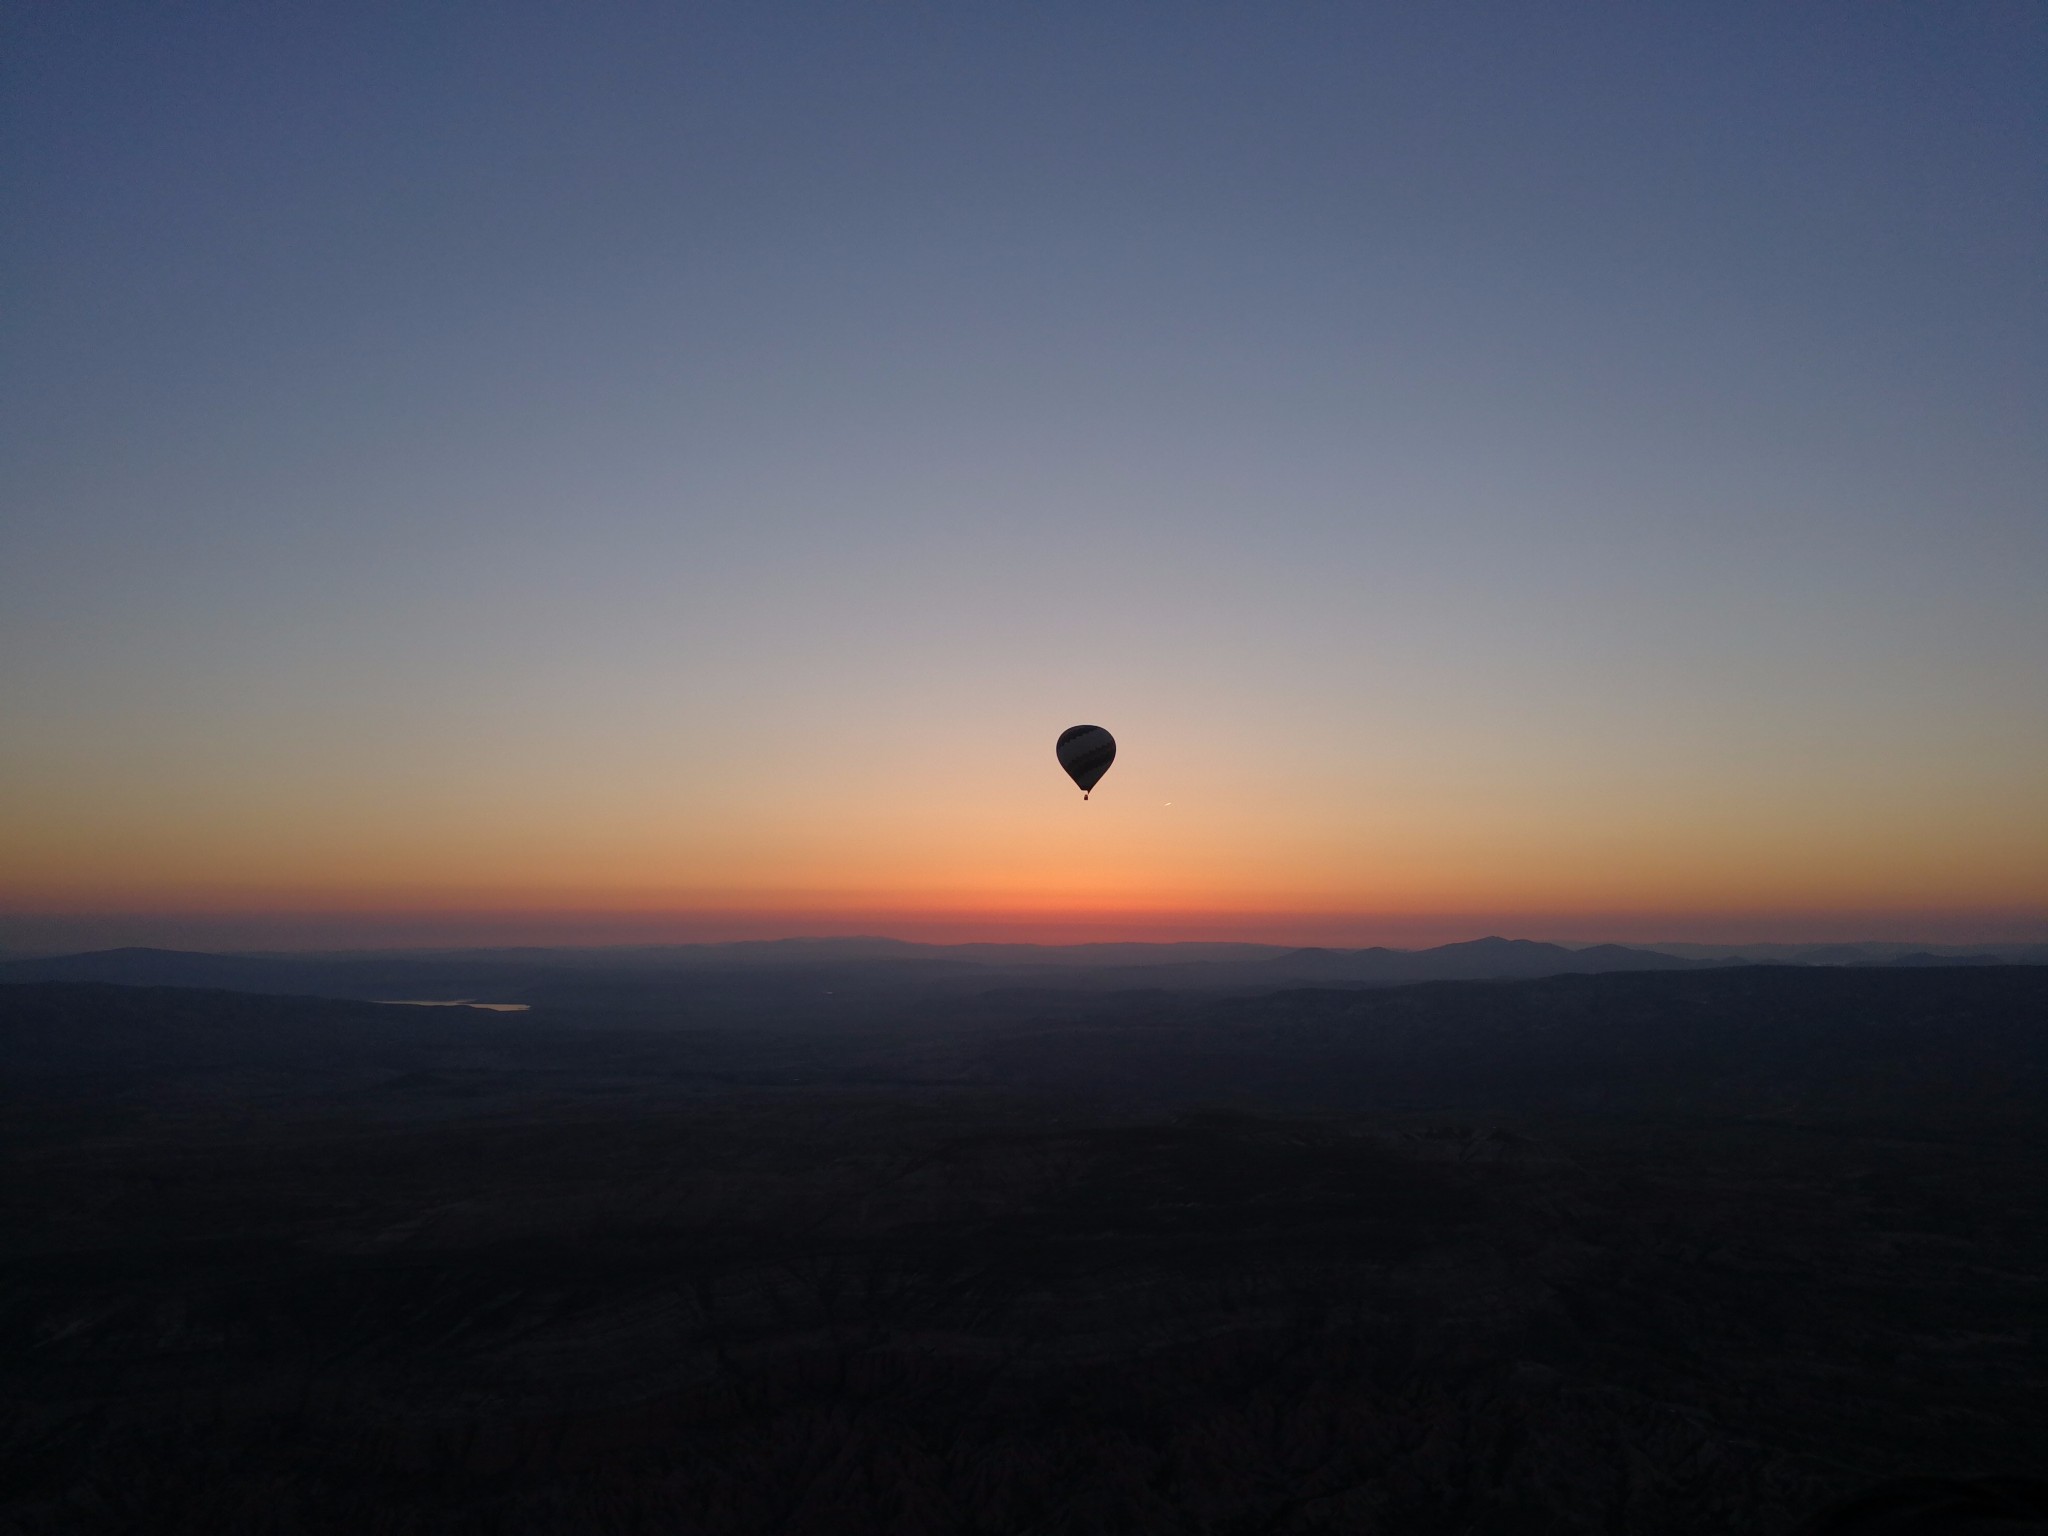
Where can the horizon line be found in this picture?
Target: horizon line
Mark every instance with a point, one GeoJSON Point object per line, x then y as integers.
{"type": "Point", "coordinates": [314, 931]}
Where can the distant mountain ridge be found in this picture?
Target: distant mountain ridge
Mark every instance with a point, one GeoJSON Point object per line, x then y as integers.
{"type": "Point", "coordinates": [1862, 952]}
{"type": "Point", "coordinates": [371, 975]}
{"type": "Point", "coordinates": [808, 968]}
{"type": "Point", "coordinates": [1488, 959]}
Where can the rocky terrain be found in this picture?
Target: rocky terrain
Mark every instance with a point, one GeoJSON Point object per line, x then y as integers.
{"type": "Point", "coordinates": [1690, 1252]}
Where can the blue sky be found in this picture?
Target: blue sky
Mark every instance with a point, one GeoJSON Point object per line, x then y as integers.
{"type": "Point", "coordinates": [1549, 459]}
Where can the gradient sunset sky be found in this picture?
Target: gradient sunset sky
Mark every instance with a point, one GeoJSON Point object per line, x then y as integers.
{"type": "Point", "coordinates": [511, 472]}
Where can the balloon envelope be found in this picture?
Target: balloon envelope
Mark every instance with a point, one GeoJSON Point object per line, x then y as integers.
{"type": "Point", "coordinates": [1086, 751]}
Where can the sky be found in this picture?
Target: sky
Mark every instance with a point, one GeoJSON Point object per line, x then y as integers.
{"type": "Point", "coordinates": [628, 471]}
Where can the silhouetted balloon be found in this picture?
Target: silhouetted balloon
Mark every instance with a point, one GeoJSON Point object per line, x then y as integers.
{"type": "Point", "coordinates": [1086, 751]}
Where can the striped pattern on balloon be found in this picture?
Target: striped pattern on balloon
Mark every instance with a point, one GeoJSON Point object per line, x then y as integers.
{"type": "Point", "coordinates": [1086, 751]}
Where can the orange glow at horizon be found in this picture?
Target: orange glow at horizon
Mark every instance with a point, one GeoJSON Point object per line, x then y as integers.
{"type": "Point", "coordinates": [1133, 885]}
{"type": "Point", "coordinates": [1300, 827]}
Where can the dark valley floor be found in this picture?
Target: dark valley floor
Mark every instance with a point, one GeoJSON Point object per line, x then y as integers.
{"type": "Point", "coordinates": [1677, 1253]}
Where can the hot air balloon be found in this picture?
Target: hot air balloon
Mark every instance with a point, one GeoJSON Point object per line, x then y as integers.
{"type": "Point", "coordinates": [1086, 751]}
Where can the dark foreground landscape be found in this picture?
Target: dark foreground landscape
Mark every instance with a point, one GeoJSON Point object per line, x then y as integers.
{"type": "Point", "coordinates": [840, 1249]}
